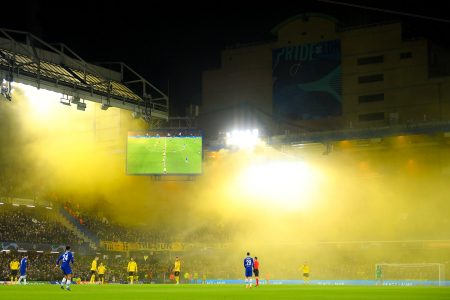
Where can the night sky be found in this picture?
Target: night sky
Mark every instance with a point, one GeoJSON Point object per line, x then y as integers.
{"type": "Point", "coordinates": [170, 44]}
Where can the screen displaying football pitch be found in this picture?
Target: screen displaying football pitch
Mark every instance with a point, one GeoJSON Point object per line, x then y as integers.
{"type": "Point", "coordinates": [164, 153]}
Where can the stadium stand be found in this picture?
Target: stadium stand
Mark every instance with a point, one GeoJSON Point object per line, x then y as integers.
{"type": "Point", "coordinates": [25, 228]}
{"type": "Point", "coordinates": [33, 225]}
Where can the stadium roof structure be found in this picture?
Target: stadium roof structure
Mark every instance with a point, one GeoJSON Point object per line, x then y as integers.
{"type": "Point", "coordinates": [423, 128]}
{"type": "Point", "coordinates": [27, 59]}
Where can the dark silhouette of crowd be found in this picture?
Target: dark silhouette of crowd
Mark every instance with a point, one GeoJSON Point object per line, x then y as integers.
{"type": "Point", "coordinates": [34, 225]}
{"type": "Point", "coordinates": [38, 225]}
{"type": "Point", "coordinates": [103, 226]}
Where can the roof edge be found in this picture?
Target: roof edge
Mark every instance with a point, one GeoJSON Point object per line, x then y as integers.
{"type": "Point", "coordinates": [302, 16]}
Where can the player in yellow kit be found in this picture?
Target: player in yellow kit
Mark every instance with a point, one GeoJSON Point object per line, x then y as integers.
{"type": "Point", "coordinates": [101, 273]}
{"type": "Point", "coordinates": [305, 271]}
{"type": "Point", "coordinates": [177, 269]}
{"type": "Point", "coordinates": [14, 267]}
{"type": "Point", "coordinates": [132, 270]}
{"type": "Point", "coordinates": [93, 269]}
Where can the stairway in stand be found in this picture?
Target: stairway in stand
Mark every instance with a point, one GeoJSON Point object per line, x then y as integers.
{"type": "Point", "coordinates": [79, 230]}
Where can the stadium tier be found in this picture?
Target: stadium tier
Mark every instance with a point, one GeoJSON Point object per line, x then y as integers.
{"type": "Point", "coordinates": [60, 69]}
{"type": "Point", "coordinates": [34, 225]}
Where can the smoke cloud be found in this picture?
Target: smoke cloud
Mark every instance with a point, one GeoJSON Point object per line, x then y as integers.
{"type": "Point", "coordinates": [395, 192]}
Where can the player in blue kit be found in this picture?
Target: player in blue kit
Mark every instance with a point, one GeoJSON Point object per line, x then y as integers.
{"type": "Point", "coordinates": [23, 270]}
{"type": "Point", "coordinates": [66, 258]}
{"type": "Point", "coordinates": [248, 265]}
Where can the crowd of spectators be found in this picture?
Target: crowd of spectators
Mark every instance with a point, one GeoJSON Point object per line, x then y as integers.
{"type": "Point", "coordinates": [106, 229]}
{"type": "Point", "coordinates": [157, 267]}
{"type": "Point", "coordinates": [38, 225]}
{"type": "Point", "coordinates": [33, 225]}
{"type": "Point", "coordinates": [42, 267]}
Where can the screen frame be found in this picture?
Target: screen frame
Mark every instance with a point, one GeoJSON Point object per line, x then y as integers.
{"type": "Point", "coordinates": [165, 132]}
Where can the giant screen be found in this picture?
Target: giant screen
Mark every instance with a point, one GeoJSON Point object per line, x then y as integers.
{"type": "Point", "coordinates": [164, 152]}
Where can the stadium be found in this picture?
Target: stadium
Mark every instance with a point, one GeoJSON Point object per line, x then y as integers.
{"type": "Point", "coordinates": [333, 171]}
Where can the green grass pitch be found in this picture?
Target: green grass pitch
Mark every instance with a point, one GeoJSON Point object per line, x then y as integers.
{"type": "Point", "coordinates": [164, 155]}
{"type": "Point", "coordinates": [225, 292]}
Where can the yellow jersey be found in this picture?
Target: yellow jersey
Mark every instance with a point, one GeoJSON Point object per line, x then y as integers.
{"type": "Point", "coordinates": [177, 266]}
{"type": "Point", "coordinates": [94, 265]}
{"type": "Point", "coordinates": [132, 266]}
{"type": "Point", "coordinates": [14, 265]}
{"type": "Point", "coordinates": [305, 269]}
{"type": "Point", "coordinates": [101, 270]}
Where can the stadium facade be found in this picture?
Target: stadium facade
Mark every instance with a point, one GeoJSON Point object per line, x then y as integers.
{"type": "Point", "coordinates": [317, 74]}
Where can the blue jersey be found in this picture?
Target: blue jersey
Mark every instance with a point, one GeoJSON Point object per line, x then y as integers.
{"type": "Point", "coordinates": [23, 266]}
{"type": "Point", "coordinates": [66, 258]}
{"type": "Point", "coordinates": [248, 262]}
{"type": "Point", "coordinates": [248, 265]}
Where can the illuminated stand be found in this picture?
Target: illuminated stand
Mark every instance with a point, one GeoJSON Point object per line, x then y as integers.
{"type": "Point", "coordinates": [6, 89]}
{"type": "Point", "coordinates": [427, 273]}
{"type": "Point", "coordinates": [25, 58]}
{"type": "Point", "coordinates": [242, 139]}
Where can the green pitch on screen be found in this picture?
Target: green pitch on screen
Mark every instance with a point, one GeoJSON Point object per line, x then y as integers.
{"type": "Point", "coordinates": [164, 155]}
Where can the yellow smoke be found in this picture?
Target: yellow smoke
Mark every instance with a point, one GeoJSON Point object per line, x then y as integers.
{"type": "Point", "coordinates": [279, 204]}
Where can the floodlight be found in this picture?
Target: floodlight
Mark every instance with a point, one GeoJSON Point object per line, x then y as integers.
{"type": "Point", "coordinates": [65, 100]}
{"type": "Point", "coordinates": [81, 106]}
{"type": "Point", "coordinates": [243, 138]}
{"type": "Point", "coordinates": [6, 89]}
{"type": "Point", "coordinates": [105, 106]}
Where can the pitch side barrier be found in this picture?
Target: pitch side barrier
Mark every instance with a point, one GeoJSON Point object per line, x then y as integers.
{"type": "Point", "coordinates": [340, 282]}
{"type": "Point", "coordinates": [293, 282]}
